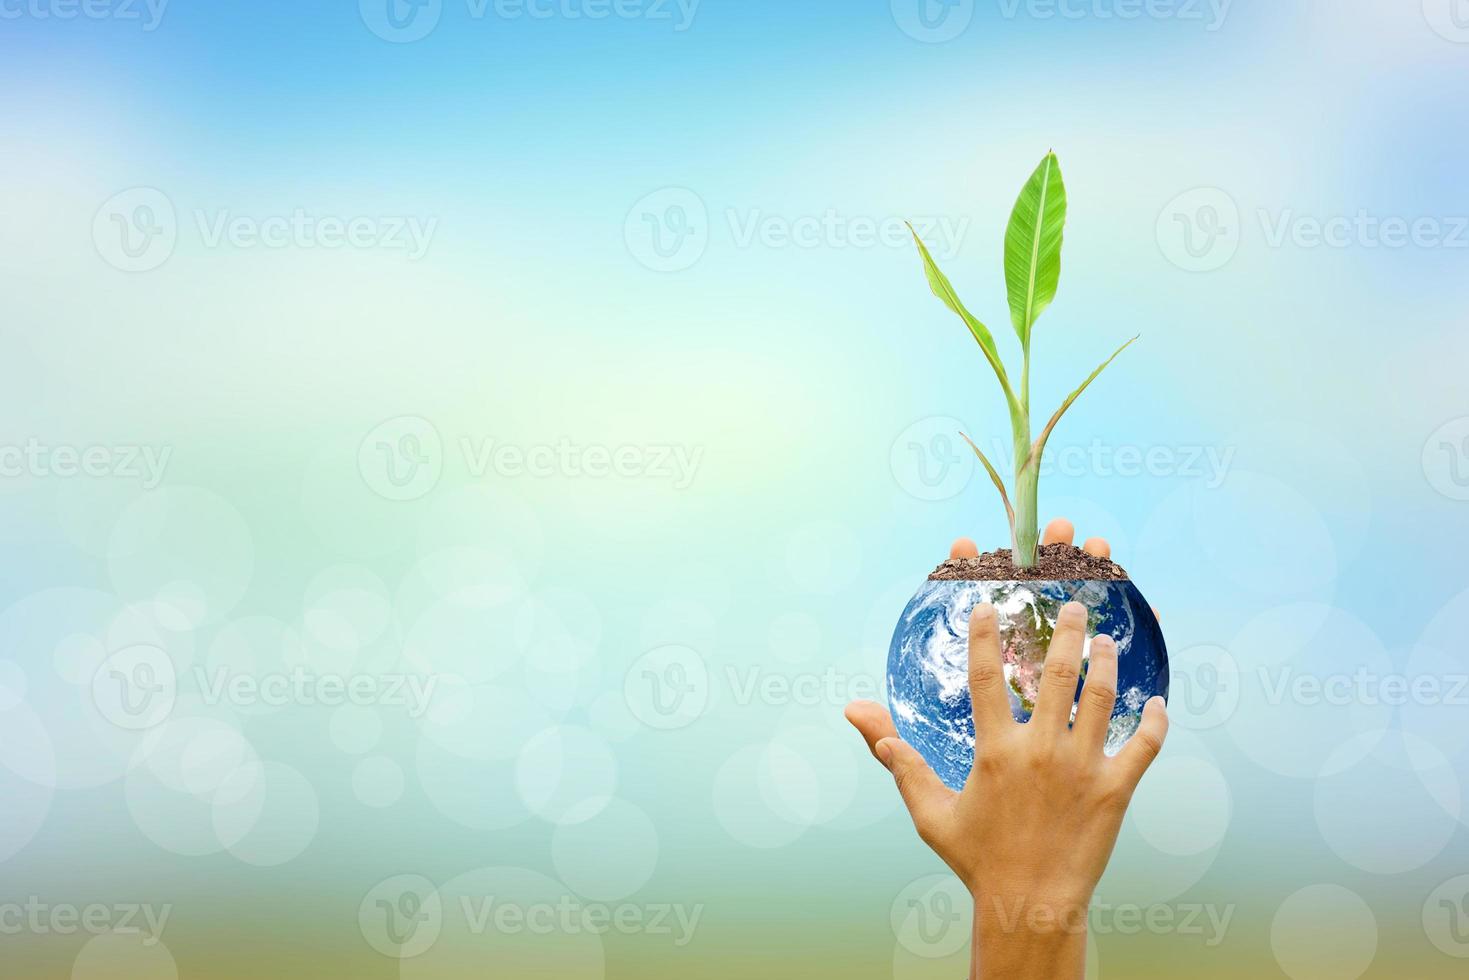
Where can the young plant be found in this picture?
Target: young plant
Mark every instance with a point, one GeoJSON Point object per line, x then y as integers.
{"type": "Point", "coordinates": [1032, 271]}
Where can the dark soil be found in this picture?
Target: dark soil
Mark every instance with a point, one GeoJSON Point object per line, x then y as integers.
{"type": "Point", "coordinates": [1053, 562]}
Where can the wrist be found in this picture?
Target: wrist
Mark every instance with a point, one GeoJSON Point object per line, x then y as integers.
{"type": "Point", "coordinates": [1025, 937]}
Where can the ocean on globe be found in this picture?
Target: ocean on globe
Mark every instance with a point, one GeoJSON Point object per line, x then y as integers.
{"type": "Point", "coordinates": [928, 661]}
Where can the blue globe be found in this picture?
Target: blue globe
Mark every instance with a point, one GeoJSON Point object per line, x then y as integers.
{"type": "Point", "coordinates": [928, 661]}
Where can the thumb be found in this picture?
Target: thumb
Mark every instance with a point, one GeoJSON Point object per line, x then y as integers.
{"type": "Point", "coordinates": [922, 790]}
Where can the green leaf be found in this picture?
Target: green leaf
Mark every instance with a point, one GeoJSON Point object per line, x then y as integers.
{"type": "Point", "coordinates": [944, 290]}
{"type": "Point", "coordinates": [1033, 246]}
{"type": "Point", "coordinates": [1040, 442]}
{"type": "Point", "coordinates": [995, 479]}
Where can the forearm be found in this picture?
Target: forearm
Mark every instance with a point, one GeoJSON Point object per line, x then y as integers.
{"type": "Point", "coordinates": [1018, 940]}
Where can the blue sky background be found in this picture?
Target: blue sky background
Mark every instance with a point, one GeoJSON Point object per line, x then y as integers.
{"type": "Point", "coordinates": [1326, 379]}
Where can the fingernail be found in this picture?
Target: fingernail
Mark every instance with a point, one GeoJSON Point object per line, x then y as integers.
{"type": "Point", "coordinates": [884, 753]}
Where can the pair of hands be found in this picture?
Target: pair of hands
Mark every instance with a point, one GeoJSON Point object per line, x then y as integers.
{"type": "Point", "coordinates": [1035, 824]}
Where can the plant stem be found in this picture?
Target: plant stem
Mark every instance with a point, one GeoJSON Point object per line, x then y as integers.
{"type": "Point", "coordinates": [1027, 533]}
{"type": "Point", "coordinates": [1024, 527]}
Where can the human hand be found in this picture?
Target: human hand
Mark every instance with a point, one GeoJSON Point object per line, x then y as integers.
{"type": "Point", "coordinates": [1034, 826]}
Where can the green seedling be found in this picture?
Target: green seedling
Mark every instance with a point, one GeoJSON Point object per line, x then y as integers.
{"type": "Point", "coordinates": [1032, 272]}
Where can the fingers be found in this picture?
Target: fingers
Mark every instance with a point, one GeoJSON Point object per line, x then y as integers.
{"type": "Point", "coordinates": [1061, 670]}
{"type": "Point", "coordinates": [987, 674]}
{"type": "Point", "coordinates": [922, 790]}
{"type": "Point", "coordinates": [873, 721]}
{"type": "Point", "coordinates": [1140, 751]}
{"type": "Point", "coordinates": [1059, 531]}
{"type": "Point", "coordinates": [1094, 710]}
{"type": "Point", "coordinates": [924, 794]}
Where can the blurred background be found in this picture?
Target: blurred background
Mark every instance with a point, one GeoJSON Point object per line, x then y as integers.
{"type": "Point", "coordinates": [458, 457]}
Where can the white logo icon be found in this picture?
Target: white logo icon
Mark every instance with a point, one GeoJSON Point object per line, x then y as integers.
{"type": "Point", "coordinates": [135, 688]}
{"type": "Point", "coordinates": [136, 230]}
{"type": "Point", "coordinates": [667, 688]}
{"type": "Point", "coordinates": [1199, 230]}
{"type": "Point", "coordinates": [1448, 18]}
{"type": "Point", "coordinates": [930, 459]}
{"type": "Point", "coordinates": [401, 21]}
{"type": "Point", "coordinates": [933, 21]}
{"type": "Point", "coordinates": [668, 230]}
{"type": "Point", "coordinates": [401, 459]}
{"type": "Point", "coordinates": [401, 916]}
{"type": "Point", "coordinates": [1446, 459]}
